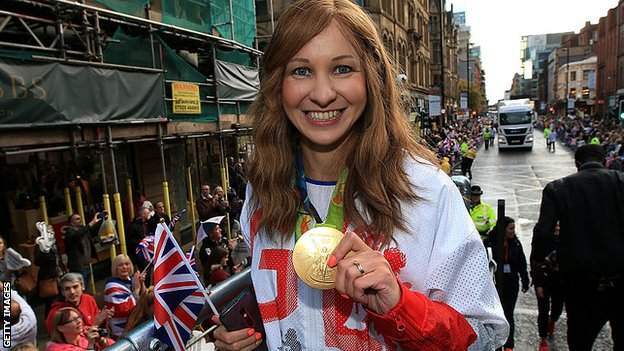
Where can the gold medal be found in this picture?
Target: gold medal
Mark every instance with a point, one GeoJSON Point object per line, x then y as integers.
{"type": "Point", "coordinates": [310, 257]}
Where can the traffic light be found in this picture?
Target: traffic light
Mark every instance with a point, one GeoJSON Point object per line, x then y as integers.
{"type": "Point", "coordinates": [621, 110]}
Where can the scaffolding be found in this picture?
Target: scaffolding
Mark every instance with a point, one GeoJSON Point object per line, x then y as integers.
{"type": "Point", "coordinates": [122, 36]}
{"type": "Point", "coordinates": [75, 33]}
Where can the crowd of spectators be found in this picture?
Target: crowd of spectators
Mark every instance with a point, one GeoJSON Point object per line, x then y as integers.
{"type": "Point", "coordinates": [575, 132]}
{"type": "Point", "coordinates": [456, 143]}
{"type": "Point", "coordinates": [73, 318]}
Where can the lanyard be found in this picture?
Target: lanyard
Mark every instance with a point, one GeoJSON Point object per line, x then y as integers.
{"type": "Point", "coordinates": [309, 217]}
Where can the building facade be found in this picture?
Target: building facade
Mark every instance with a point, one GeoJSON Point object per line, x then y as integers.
{"type": "Point", "coordinates": [444, 46]}
{"type": "Point", "coordinates": [607, 77]}
{"type": "Point", "coordinates": [577, 80]}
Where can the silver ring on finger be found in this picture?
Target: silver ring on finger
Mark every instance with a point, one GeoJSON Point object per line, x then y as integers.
{"type": "Point", "coordinates": [359, 267]}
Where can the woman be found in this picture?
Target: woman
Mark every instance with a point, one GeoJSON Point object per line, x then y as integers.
{"type": "Point", "coordinates": [331, 137]}
{"type": "Point", "coordinates": [219, 266]}
{"type": "Point", "coordinates": [514, 268]}
{"type": "Point", "coordinates": [121, 292]}
{"type": "Point", "coordinates": [143, 312]}
{"type": "Point", "coordinates": [69, 334]}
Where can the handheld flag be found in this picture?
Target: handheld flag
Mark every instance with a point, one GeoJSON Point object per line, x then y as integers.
{"type": "Point", "coordinates": [145, 248]}
{"type": "Point", "coordinates": [206, 227]}
{"type": "Point", "coordinates": [178, 294]}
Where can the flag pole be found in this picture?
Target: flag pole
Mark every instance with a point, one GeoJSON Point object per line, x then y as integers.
{"type": "Point", "coordinates": [188, 265]}
{"type": "Point", "coordinates": [201, 336]}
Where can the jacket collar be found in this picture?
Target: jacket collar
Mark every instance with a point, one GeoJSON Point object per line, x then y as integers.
{"type": "Point", "coordinates": [591, 165]}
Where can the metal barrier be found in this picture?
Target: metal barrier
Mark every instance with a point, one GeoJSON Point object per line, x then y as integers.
{"type": "Point", "coordinates": [141, 338]}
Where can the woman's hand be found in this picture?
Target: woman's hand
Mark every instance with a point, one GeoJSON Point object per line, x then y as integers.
{"type": "Point", "coordinates": [364, 275]}
{"type": "Point", "coordinates": [138, 283]}
{"type": "Point", "coordinates": [105, 314]}
{"type": "Point", "coordinates": [92, 335]}
{"type": "Point", "coordinates": [239, 340]}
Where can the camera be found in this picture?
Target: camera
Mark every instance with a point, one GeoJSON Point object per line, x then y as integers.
{"type": "Point", "coordinates": [103, 332]}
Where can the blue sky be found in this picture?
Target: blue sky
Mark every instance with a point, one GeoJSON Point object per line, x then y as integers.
{"type": "Point", "coordinates": [497, 25]}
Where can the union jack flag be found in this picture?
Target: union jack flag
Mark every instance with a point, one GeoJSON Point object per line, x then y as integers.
{"type": "Point", "coordinates": [145, 248]}
{"type": "Point", "coordinates": [178, 294]}
{"type": "Point", "coordinates": [118, 296]}
{"type": "Point", "coordinates": [190, 256]}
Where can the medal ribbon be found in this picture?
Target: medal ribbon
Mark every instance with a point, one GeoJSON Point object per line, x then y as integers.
{"type": "Point", "coordinates": [309, 218]}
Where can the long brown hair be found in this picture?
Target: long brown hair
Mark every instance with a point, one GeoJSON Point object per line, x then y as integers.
{"type": "Point", "coordinates": [378, 143]}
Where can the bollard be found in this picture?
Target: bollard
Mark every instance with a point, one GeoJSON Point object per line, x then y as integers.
{"type": "Point", "coordinates": [44, 209]}
{"type": "Point", "coordinates": [499, 255]}
{"type": "Point", "coordinates": [92, 279]}
{"type": "Point", "coordinates": [129, 198]}
{"type": "Point", "coordinates": [79, 206]}
{"type": "Point", "coordinates": [120, 223]}
{"type": "Point", "coordinates": [107, 208]}
{"type": "Point", "coordinates": [224, 185]}
{"type": "Point", "coordinates": [165, 186]}
{"type": "Point", "coordinates": [68, 203]}
{"type": "Point", "coordinates": [189, 189]}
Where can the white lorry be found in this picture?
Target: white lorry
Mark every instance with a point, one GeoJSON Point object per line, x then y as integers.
{"type": "Point", "coordinates": [515, 124]}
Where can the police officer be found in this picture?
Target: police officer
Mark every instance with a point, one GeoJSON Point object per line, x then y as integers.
{"type": "Point", "coordinates": [487, 135]}
{"type": "Point", "coordinates": [482, 214]}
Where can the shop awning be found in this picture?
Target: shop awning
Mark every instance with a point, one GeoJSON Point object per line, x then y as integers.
{"type": "Point", "coordinates": [52, 93]}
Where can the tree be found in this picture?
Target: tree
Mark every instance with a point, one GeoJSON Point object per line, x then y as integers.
{"type": "Point", "coordinates": [476, 99]}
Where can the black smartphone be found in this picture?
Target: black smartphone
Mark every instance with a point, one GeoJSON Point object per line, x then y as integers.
{"type": "Point", "coordinates": [241, 313]}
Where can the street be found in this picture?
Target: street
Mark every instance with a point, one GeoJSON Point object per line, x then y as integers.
{"type": "Point", "coordinates": [518, 177]}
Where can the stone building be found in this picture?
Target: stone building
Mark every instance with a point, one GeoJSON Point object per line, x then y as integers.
{"type": "Point", "coordinates": [444, 55]}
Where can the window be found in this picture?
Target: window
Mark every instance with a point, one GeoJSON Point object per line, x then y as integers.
{"type": "Point", "coordinates": [509, 118]}
{"type": "Point", "coordinates": [403, 58]}
{"type": "Point", "coordinates": [410, 16]}
{"type": "Point", "coordinates": [261, 8]}
{"type": "Point", "coordinates": [436, 79]}
{"type": "Point", "coordinates": [386, 6]}
{"type": "Point", "coordinates": [586, 73]}
{"type": "Point", "coordinates": [573, 76]}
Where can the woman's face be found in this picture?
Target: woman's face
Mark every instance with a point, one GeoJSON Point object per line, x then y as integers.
{"type": "Point", "coordinates": [123, 269]}
{"type": "Point", "coordinates": [324, 89]}
{"type": "Point", "coordinates": [2, 247]}
{"type": "Point", "coordinates": [73, 325]}
{"type": "Point", "coordinates": [510, 231]}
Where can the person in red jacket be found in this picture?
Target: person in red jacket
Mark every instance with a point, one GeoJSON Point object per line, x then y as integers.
{"type": "Point", "coordinates": [334, 148]}
{"type": "Point", "coordinates": [68, 333]}
{"type": "Point", "coordinates": [72, 289]}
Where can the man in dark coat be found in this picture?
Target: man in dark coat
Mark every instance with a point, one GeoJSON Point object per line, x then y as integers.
{"type": "Point", "coordinates": [137, 230]}
{"type": "Point", "coordinates": [78, 243]}
{"type": "Point", "coordinates": [589, 206]}
{"type": "Point", "coordinates": [205, 204]}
